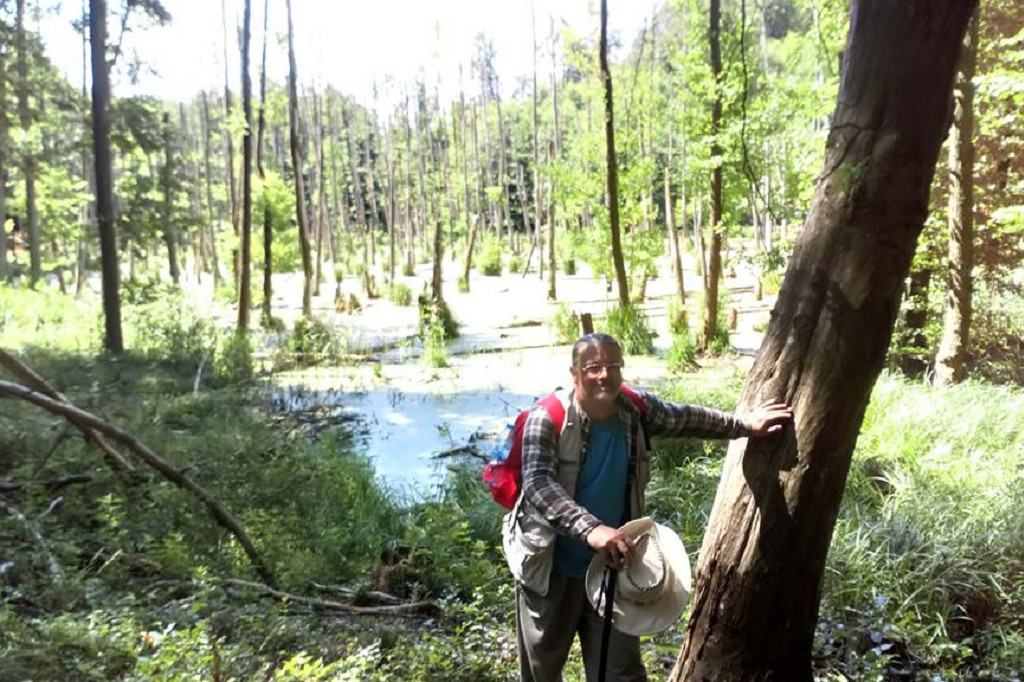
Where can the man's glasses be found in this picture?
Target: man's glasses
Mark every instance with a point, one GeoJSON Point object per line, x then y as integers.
{"type": "Point", "coordinates": [594, 369]}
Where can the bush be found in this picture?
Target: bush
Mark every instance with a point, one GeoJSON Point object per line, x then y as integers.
{"type": "Point", "coordinates": [515, 265]}
{"type": "Point", "coordinates": [435, 349]}
{"type": "Point", "coordinates": [569, 266]}
{"type": "Point", "coordinates": [630, 326]}
{"type": "Point", "coordinates": [436, 313]}
{"type": "Point", "coordinates": [682, 354]}
{"type": "Point", "coordinates": [462, 284]}
{"type": "Point", "coordinates": [565, 324]}
{"type": "Point", "coordinates": [400, 294]}
{"type": "Point", "coordinates": [312, 340]}
{"type": "Point", "coordinates": [490, 258]}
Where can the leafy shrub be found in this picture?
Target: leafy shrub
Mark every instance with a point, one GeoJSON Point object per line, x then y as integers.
{"type": "Point", "coordinates": [400, 294]}
{"type": "Point", "coordinates": [678, 318]}
{"type": "Point", "coordinates": [515, 265]}
{"type": "Point", "coordinates": [569, 265]}
{"type": "Point", "coordinates": [489, 262]}
{"type": "Point", "coordinates": [313, 340]}
{"type": "Point", "coordinates": [436, 313]}
{"type": "Point", "coordinates": [462, 284]}
{"type": "Point", "coordinates": [565, 324]}
{"type": "Point", "coordinates": [435, 349]}
{"type": "Point", "coordinates": [630, 326]}
{"type": "Point", "coordinates": [682, 354]}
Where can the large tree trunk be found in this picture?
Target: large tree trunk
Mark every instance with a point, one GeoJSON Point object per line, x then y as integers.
{"type": "Point", "coordinates": [613, 165]}
{"type": "Point", "coordinates": [245, 260]}
{"type": "Point", "coordinates": [713, 272]}
{"type": "Point", "coordinates": [956, 325]}
{"type": "Point", "coordinates": [112, 339]}
{"type": "Point", "coordinates": [300, 191]}
{"type": "Point", "coordinates": [758, 579]}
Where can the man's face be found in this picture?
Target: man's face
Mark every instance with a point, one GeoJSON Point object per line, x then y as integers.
{"type": "Point", "coordinates": [598, 376]}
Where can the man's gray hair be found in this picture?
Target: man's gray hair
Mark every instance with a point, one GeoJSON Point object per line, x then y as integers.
{"type": "Point", "coordinates": [592, 339]}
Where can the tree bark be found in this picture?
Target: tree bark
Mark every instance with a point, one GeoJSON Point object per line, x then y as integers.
{"type": "Point", "coordinates": [112, 339]}
{"type": "Point", "coordinates": [167, 180]}
{"type": "Point", "coordinates": [613, 165]}
{"type": "Point", "coordinates": [4, 269]}
{"type": "Point", "coordinates": [956, 324]}
{"type": "Point", "coordinates": [266, 314]}
{"type": "Point", "coordinates": [673, 242]}
{"type": "Point", "coordinates": [245, 259]}
{"type": "Point", "coordinates": [758, 579]}
{"type": "Point", "coordinates": [713, 273]}
{"type": "Point", "coordinates": [208, 172]}
{"type": "Point", "coordinates": [300, 192]}
{"type": "Point", "coordinates": [28, 161]}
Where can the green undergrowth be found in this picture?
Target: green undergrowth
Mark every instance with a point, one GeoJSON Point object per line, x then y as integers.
{"type": "Point", "coordinates": [107, 577]}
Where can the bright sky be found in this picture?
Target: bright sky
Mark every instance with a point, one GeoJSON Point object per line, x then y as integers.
{"type": "Point", "coordinates": [348, 43]}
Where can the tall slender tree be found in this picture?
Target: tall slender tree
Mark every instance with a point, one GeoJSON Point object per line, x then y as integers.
{"type": "Point", "coordinates": [4, 42]}
{"type": "Point", "coordinates": [612, 162]}
{"type": "Point", "coordinates": [112, 338]}
{"type": "Point", "coordinates": [758, 584]}
{"type": "Point", "coordinates": [28, 160]}
{"type": "Point", "coordinates": [300, 191]}
{"type": "Point", "coordinates": [713, 271]}
{"type": "Point", "coordinates": [245, 258]}
{"type": "Point", "coordinates": [266, 314]}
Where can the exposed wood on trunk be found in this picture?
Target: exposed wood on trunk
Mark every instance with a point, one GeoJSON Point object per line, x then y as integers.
{"type": "Point", "coordinates": [758, 585]}
{"type": "Point", "coordinates": [950, 360]}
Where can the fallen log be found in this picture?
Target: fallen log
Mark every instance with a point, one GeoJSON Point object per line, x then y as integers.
{"type": "Point", "coordinates": [49, 483]}
{"type": "Point", "coordinates": [416, 608]}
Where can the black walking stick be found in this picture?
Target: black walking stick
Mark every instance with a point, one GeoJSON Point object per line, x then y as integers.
{"type": "Point", "coordinates": [610, 578]}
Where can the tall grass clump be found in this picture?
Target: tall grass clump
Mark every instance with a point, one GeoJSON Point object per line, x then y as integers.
{"type": "Point", "coordinates": [28, 317]}
{"type": "Point", "coordinates": [489, 262]}
{"type": "Point", "coordinates": [927, 551]}
{"type": "Point", "coordinates": [630, 326]}
{"type": "Point", "coordinates": [682, 354]}
{"type": "Point", "coordinates": [400, 294]}
{"type": "Point", "coordinates": [564, 324]}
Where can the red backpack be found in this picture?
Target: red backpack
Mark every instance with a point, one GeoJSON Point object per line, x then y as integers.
{"type": "Point", "coordinates": [504, 474]}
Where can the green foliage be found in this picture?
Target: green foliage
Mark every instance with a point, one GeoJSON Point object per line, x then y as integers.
{"type": "Point", "coordinates": [462, 284]}
{"type": "Point", "coordinates": [435, 347]}
{"type": "Point", "coordinates": [400, 294]}
{"type": "Point", "coordinates": [682, 354]}
{"type": "Point", "coordinates": [313, 340]}
{"type": "Point", "coordinates": [436, 314]}
{"type": "Point", "coordinates": [489, 262]}
{"type": "Point", "coordinates": [515, 265]}
{"type": "Point", "coordinates": [630, 326]}
{"type": "Point", "coordinates": [565, 324]}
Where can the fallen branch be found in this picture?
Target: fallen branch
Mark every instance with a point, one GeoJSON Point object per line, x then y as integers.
{"type": "Point", "coordinates": [468, 450]}
{"type": "Point", "coordinates": [360, 598]}
{"type": "Point", "coordinates": [55, 570]}
{"type": "Point", "coordinates": [49, 483]}
{"type": "Point", "coordinates": [417, 608]}
{"type": "Point", "coordinates": [86, 420]}
{"type": "Point", "coordinates": [23, 372]}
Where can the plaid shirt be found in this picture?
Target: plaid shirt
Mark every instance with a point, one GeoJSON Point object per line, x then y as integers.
{"type": "Point", "coordinates": [664, 419]}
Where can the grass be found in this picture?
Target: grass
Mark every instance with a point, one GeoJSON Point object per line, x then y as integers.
{"type": "Point", "coordinates": [923, 576]}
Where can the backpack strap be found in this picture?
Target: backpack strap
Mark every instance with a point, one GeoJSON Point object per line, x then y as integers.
{"type": "Point", "coordinates": [555, 409]}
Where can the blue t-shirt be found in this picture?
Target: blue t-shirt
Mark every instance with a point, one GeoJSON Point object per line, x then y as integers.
{"type": "Point", "coordinates": [601, 489]}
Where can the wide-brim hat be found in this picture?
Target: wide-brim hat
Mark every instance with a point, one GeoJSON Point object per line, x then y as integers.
{"type": "Point", "coordinates": [651, 591]}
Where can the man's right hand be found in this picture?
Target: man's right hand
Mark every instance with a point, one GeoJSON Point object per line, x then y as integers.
{"type": "Point", "coordinates": [613, 545]}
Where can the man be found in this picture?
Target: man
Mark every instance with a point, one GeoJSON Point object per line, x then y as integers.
{"type": "Point", "coordinates": [579, 486]}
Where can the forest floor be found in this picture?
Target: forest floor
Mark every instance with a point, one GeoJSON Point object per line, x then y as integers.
{"type": "Point", "coordinates": [405, 414]}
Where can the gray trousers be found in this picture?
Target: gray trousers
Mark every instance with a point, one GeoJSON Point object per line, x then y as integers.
{"type": "Point", "coordinates": [546, 626]}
